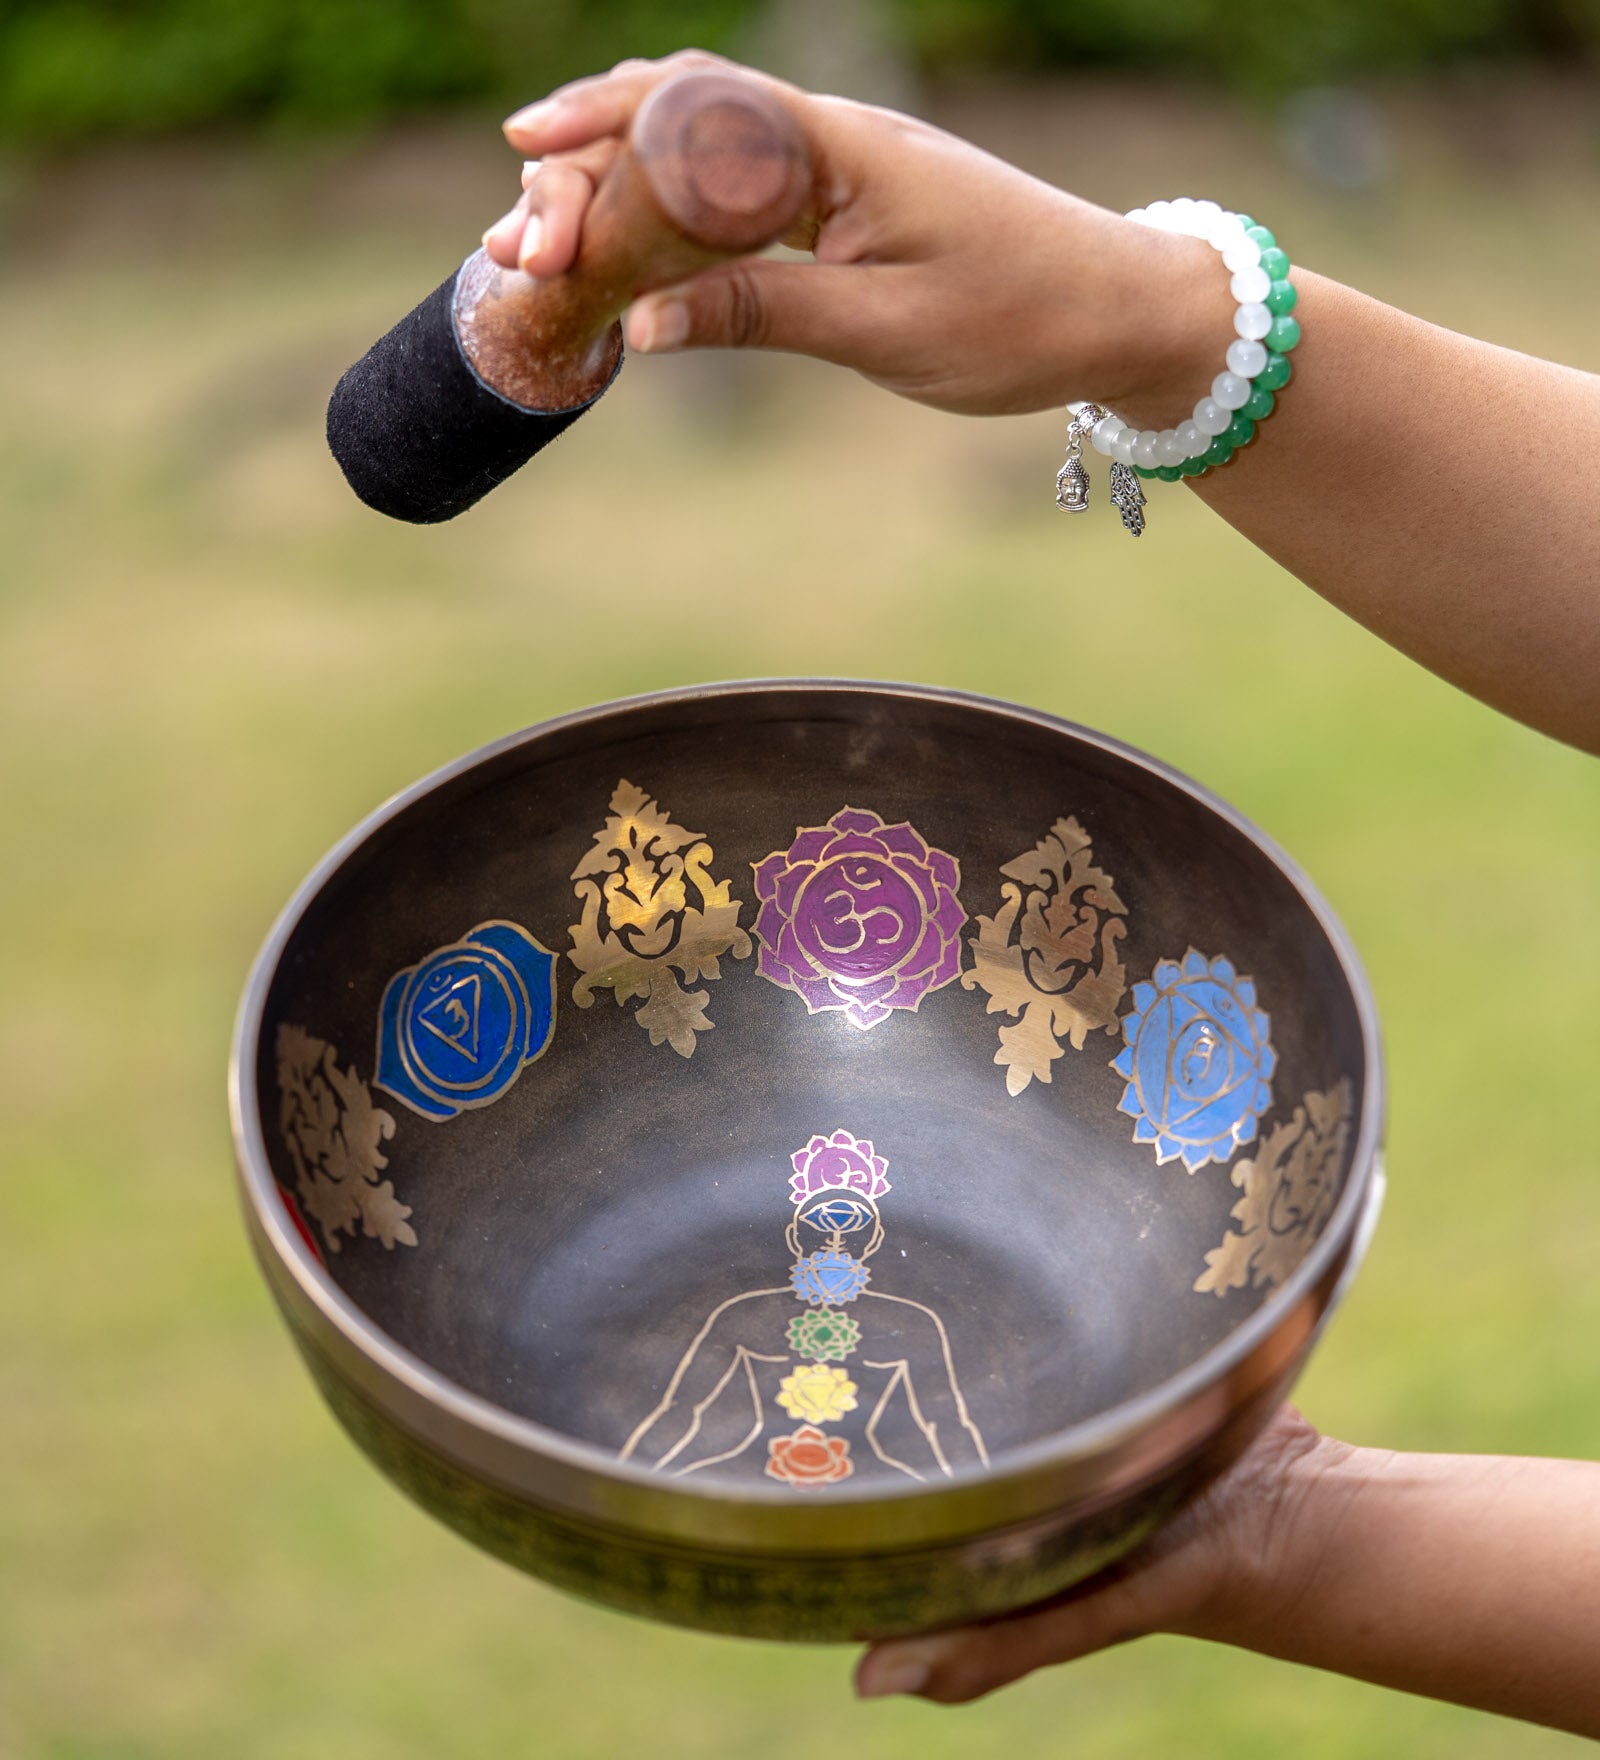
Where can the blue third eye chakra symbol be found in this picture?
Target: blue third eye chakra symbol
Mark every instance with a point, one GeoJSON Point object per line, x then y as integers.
{"type": "Point", "coordinates": [1198, 1063]}
{"type": "Point", "coordinates": [455, 1031]}
{"type": "Point", "coordinates": [840, 1215]}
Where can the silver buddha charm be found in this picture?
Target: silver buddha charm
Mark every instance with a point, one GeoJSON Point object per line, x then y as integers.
{"type": "Point", "coordinates": [1072, 480]}
{"type": "Point", "coordinates": [1072, 483]}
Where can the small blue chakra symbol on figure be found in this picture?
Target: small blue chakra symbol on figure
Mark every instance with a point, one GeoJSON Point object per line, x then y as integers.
{"type": "Point", "coordinates": [1198, 1061]}
{"type": "Point", "coordinates": [831, 1278]}
{"type": "Point", "coordinates": [456, 1030]}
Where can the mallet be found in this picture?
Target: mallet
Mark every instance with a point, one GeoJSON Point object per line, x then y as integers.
{"type": "Point", "coordinates": [494, 365]}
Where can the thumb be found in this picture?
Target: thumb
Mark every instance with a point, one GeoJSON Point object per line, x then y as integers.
{"type": "Point", "coordinates": [952, 1667]}
{"type": "Point", "coordinates": [821, 309]}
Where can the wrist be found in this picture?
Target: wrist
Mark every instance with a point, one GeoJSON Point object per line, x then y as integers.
{"type": "Point", "coordinates": [1290, 1528]}
{"type": "Point", "coordinates": [1165, 316]}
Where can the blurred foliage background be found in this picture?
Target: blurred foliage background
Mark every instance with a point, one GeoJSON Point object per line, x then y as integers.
{"type": "Point", "coordinates": [215, 662]}
{"type": "Point", "coordinates": [143, 67]}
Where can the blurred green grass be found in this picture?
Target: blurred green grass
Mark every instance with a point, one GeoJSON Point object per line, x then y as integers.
{"type": "Point", "coordinates": [215, 662]}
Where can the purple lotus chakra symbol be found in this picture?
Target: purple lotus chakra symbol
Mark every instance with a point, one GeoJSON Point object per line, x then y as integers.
{"type": "Point", "coordinates": [860, 916]}
{"type": "Point", "coordinates": [843, 1161]}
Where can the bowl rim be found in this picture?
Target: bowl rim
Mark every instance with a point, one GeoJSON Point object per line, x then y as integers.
{"type": "Point", "coordinates": [1121, 1440]}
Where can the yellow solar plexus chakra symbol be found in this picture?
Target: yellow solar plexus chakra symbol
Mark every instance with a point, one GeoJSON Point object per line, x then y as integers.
{"type": "Point", "coordinates": [1289, 1193]}
{"type": "Point", "coordinates": [652, 913]}
{"type": "Point", "coordinates": [332, 1131]}
{"type": "Point", "coordinates": [817, 1394]}
{"type": "Point", "coordinates": [1049, 954]}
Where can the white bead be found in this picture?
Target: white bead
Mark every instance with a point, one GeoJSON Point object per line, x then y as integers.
{"type": "Point", "coordinates": [1241, 253]}
{"type": "Point", "coordinates": [1105, 431]}
{"type": "Point", "coordinates": [1160, 214]}
{"type": "Point", "coordinates": [1191, 439]}
{"type": "Point", "coordinates": [1144, 448]}
{"type": "Point", "coordinates": [1206, 215]}
{"type": "Point", "coordinates": [1122, 444]}
{"type": "Point", "coordinates": [1169, 449]}
{"type": "Point", "coordinates": [1210, 417]}
{"type": "Point", "coordinates": [1231, 391]}
{"type": "Point", "coordinates": [1250, 285]}
{"type": "Point", "coordinates": [1183, 213]}
{"type": "Point", "coordinates": [1225, 231]}
{"type": "Point", "coordinates": [1246, 358]}
{"type": "Point", "coordinates": [1252, 322]}
{"type": "Point", "coordinates": [1140, 215]}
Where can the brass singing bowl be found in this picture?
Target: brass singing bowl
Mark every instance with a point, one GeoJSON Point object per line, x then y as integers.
{"type": "Point", "coordinates": [807, 1160]}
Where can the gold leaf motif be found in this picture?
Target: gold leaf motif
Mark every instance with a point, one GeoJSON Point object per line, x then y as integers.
{"type": "Point", "coordinates": [1049, 954]}
{"type": "Point", "coordinates": [1289, 1192]}
{"type": "Point", "coordinates": [639, 931]}
{"type": "Point", "coordinates": [333, 1131]}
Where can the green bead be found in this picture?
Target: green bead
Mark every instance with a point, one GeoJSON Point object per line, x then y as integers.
{"type": "Point", "coordinates": [1281, 297]}
{"type": "Point", "coordinates": [1168, 473]}
{"type": "Point", "coordinates": [1275, 262]}
{"type": "Point", "coordinates": [1246, 222]}
{"type": "Point", "coordinates": [1260, 236]}
{"type": "Point", "coordinates": [1192, 467]}
{"type": "Point", "coordinates": [1219, 451]}
{"type": "Point", "coordinates": [1275, 374]}
{"type": "Point", "coordinates": [1240, 431]}
{"type": "Point", "coordinates": [1145, 470]}
{"type": "Point", "coordinates": [1259, 405]}
{"type": "Point", "coordinates": [1283, 335]}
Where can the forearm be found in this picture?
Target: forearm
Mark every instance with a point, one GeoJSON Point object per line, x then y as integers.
{"type": "Point", "coordinates": [1442, 491]}
{"type": "Point", "coordinates": [1471, 1579]}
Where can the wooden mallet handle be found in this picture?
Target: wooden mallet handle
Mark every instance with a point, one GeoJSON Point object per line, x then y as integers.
{"type": "Point", "coordinates": [714, 167]}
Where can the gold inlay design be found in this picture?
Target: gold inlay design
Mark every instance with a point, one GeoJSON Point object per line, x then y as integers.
{"type": "Point", "coordinates": [1049, 954]}
{"type": "Point", "coordinates": [640, 930]}
{"type": "Point", "coordinates": [333, 1131]}
{"type": "Point", "coordinates": [1289, 1192]}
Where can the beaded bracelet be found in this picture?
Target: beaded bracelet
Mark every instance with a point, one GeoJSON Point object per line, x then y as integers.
{"type": "Point", "coordinates": [1242, 394]}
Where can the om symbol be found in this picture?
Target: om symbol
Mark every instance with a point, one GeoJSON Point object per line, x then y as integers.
{"type": "Point", "coordinates": [858, 917]}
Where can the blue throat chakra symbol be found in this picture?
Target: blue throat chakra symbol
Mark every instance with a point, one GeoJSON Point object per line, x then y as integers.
{"type": "Point", "coordinates": [831, 1278]}
{"type": "Point", "coordinates": [1198, 1062]}
{"type": "Point", "coordinates": [456, 1030]}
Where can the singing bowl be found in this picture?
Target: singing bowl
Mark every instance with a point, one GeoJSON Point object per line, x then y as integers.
{"type": "Point", "coordinates": [807, 1160]}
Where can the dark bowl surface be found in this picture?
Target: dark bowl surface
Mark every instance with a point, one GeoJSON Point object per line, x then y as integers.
{"type": "Point", "coordinates": [802, 1123]}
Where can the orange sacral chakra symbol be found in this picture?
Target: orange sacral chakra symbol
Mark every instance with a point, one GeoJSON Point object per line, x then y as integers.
{"type": "Point", "coordinates": [808, 1457]}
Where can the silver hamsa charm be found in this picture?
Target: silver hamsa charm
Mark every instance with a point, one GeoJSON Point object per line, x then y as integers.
{"type": "Point", "coordinates": [1127, 496]}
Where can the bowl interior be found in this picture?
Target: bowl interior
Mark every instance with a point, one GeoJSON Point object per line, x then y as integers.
{"type": "Point", "coordinates": [804, 1085]}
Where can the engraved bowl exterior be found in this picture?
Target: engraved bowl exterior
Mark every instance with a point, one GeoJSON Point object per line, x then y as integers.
{"type": "Point", "coordinates": [857, 1559]}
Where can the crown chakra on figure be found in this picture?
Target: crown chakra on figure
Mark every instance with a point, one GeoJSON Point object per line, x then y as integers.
{"type": "Point", "coordinates": [840, 1162]}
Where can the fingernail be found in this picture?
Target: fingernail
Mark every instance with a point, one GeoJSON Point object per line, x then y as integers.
{"type": "Point", "coordinates": [882, 1679]}
{"type": "Point", "coordinates": [532, 238]}
{"type": "Point", "coordinates": [665, 327]}
{"type": "Point", "coordinates": [530, 170]}
{"type": "Point", "coordinates": [499, 226]}
{"type": "Point", "coordinates": [530, 115]}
